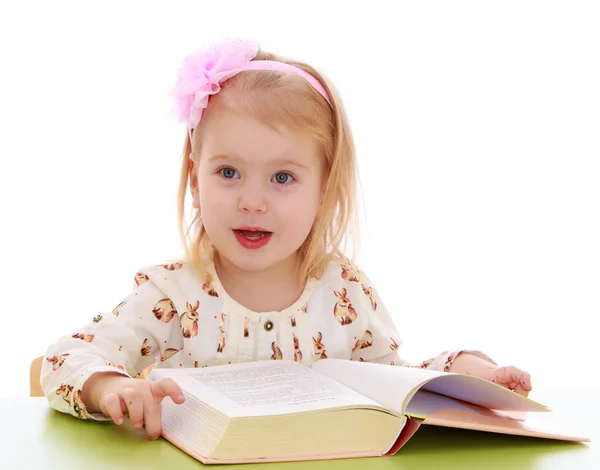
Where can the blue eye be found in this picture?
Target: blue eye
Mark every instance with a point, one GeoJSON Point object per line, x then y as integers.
{"type": "Point", "coordinates": [228, 173]}
{"type": "Point", "coordinates": [283, 178]}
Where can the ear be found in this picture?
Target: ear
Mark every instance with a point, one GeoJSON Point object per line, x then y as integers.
{"type": "Point", "coordinates": [193, 176]}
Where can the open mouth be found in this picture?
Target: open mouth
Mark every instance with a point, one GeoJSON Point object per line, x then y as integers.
{"type": "Point", "coordinates": [252, 234]}
{"type": "Point", "coordinates": [252, 239]}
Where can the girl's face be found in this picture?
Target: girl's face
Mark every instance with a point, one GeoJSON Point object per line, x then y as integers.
{"type": "Point", "coordinates": [258, 190]}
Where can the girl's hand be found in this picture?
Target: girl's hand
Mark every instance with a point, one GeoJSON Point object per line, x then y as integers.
{"type": "Point", "coordinates": [510, 377]}
{"type": "Point", "coordinates": [140, 399]}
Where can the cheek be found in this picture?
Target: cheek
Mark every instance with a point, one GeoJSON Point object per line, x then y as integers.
{"type": "Point", "coordinates": [213, 203]}
{"type": "Point", "coordinates": [300, 213]}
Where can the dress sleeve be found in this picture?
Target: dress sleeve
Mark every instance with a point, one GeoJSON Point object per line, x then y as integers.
{"type": "Point", "coordinates": [380, 341]}
{"type": "Point", "coordinates": [140, 331]}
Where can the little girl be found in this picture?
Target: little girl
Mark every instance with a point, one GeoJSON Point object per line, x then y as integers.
{"type": "Point", "coordinates": [270, 166]}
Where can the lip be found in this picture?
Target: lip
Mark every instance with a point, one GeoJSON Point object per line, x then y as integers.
{"type": "Point", "coordinates": [252, 228]}
{"type": "Point", "coordinates": [252, 244]}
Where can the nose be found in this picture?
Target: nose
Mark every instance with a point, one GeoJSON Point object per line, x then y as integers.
{"type": "Point", "coordinates": [252, 198]}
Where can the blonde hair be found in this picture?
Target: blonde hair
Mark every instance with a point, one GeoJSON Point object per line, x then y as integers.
{"type": "Point", "coordinates": [287, 99]}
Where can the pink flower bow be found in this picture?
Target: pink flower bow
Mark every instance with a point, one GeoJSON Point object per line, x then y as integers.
{"type": "Point", "coordinates": [201, 75]}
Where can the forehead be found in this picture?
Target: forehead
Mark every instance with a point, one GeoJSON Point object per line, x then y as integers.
{"type": "Point", "coordinates": [244, 137]}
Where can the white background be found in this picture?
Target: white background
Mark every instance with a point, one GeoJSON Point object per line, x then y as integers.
{"type": "Point", "coordinates": [477, 126]}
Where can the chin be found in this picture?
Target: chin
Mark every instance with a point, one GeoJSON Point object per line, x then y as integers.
{"type": "Point", "coordinates": [255, 262]}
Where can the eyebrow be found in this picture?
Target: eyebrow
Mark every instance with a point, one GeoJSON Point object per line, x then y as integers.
{"type": "Point", "coordinates": [282, 161]}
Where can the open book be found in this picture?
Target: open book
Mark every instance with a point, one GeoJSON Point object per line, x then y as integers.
{"type": "Point", "coordinates": [272, 411]}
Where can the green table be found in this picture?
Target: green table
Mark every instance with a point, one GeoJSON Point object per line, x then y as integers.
{"type": "Point", "coordinates": [33, 436]}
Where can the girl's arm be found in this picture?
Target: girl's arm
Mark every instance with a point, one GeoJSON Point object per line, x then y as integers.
{"type": "Point", "coordinates": [123, 342]}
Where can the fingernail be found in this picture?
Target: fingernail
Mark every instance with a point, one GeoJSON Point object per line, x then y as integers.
{"type": "Point", "coordinates": [137, 425]}
{"type": "Point", "coordinates": [119, 421]}
{"type": "Point", "coordinates": [180, 397]}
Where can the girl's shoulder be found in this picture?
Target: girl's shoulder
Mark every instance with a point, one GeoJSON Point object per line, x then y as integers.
{"type": "Point", "coordinates": [343, 274]}
{"type": "Point", "coordinates": [343, 268]}
{"type": "Point", "coordinates": [179, 281]}
{"type": "Point", "coordinates": [175, 271]}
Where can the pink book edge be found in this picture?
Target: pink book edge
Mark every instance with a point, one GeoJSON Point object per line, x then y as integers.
{"type": "Point", "coordinates": [497, 423]}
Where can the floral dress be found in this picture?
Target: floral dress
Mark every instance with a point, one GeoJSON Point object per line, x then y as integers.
{"type": "Point", "coordinates": [173, 318]}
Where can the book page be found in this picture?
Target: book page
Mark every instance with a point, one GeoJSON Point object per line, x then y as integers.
{"type": "Point", "coordinates": [482, 393]}
{"type": "Point", "coordinates": [394, 386]}
{"type": "Point", "coordinates": [387, 385]}
{"type": "Point", "coordinates": [264, 388]}
{"type": "Point", "coordinates": [425, 403]}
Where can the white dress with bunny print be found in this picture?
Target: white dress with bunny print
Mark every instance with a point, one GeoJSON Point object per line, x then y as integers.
{"type": "Point", "coordinates": [173, 318]}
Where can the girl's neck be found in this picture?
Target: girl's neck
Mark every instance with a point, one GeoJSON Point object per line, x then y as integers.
{"type": "Point", "coordinates": [271, 289]}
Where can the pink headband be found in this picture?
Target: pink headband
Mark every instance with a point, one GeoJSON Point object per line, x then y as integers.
{"type": "Point", "coordinates": [202, 73]}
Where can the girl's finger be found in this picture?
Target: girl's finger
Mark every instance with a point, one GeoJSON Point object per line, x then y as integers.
{"type": "Point", "coordinates": [520, 379]}
{"type": "Point", "coordinates": [135, 408]}
{"type": "Point", "coordinates": [152, 417]}
{"type": "Point", "coordinates": [526, 381]}
{"type": "Point", "coordinates": [507, 375]}
{"type": "Point", "coordinates": [503, 375]}
{"type": "Point", "coordinates": [520, 390]}
{"type": "Point", "coordinates": [112, 407]}
{"type": "Point", "coordinates": [167, 388]}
